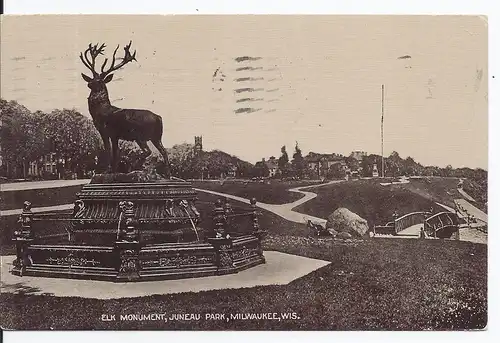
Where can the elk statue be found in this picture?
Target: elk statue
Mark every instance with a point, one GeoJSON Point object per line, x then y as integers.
{"type": "Point", "coordinates": [115, 123]}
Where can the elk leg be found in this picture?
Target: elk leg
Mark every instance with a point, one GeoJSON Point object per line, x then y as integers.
{"type": "Point", "coordinates": [115, 154]}
{"type": "Point", "coordinates": [164, 154]}
{"type": "Point", "coordinates": [162, 150]}
{"type": "Point", "coordinates": [146, 152]}
{"type": "Point", "coordinates": [107, 150]}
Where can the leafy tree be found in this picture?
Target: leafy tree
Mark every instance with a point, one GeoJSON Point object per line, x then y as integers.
{"type": "Point", "coordinates": [368, 162]}
{"type": "Point", "coordinates": [448, 171]}
{"type": "Point", "coordinates": [352, 163]}
{"type": "Point", "coordinates": [181, 157]}
{"type": "Point", "coordinates": [336, 171]}
{"type": "Point", "coordinates": [131, 157]}
{"type": "Point", "coordinates": [299, 164]}
{"type": "Point", "coordinates": [394, 165]}
{"type": "Point", "coordinates": [283, 162]}
{"type": "Point", "coordinates": [72, 137]}
{"type": "Point", "coordinates": [21, 138]}
{"type": "Point", "coordinates": [260, 170]}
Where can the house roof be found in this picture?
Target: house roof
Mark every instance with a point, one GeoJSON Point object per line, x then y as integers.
{"type": "Point", "coordinates": [271, 164]}
{"type": "Point", "coordinates": [315, 158]}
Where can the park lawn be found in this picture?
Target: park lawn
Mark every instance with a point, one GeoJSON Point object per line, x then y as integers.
{"type": "Point", "coordinates": [12, 200]}
{"type": "Point", "coordinates": [439, 189]}
{"type": "Point", "coordinates": [403, 284]}
{"type": "Point", "coordinates": [397, 284]}
{"type": "Point", "coordinates": [367, 198]}
{"type": "Point", "coordinates": [205, 204]}
{"type": "Point", "coordinates": [478, 193]}
{"type": "Point", "coordinates": [274, 192]}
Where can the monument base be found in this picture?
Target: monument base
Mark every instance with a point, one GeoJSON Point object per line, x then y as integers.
{"type": "Point", "coordinates": [155, 262]}
{"type": "Point", "coordinates": [124, 230]}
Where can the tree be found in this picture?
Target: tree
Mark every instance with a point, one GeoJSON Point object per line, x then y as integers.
{"type": "Point", "coordinates": [131, 157]}
{"type": "Point", "coordinates": [394, 165]}
{"type": "Point", "coordinates": [73, 138]}
{"type": "Point", "coordinates": [181, 157]}
{"type": "Point", "coordinates": [335, 172]}
{"type": "Point", "coordinates": [283, 162]}
{"type": "Point", "coordinates": [448, 171]}
{"type": "Point", "coordinates": [260, 170]}
{"type": "Point", "coordinates": [299, 164]}
{"type": "Point", "coordinates": [21, 137]}
{"type": "Point", "coordinates": [368, 162]}
{"type": "Point", "coordinates": [352, 163]}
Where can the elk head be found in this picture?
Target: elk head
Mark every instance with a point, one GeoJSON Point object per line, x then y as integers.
{"type": "Point", "coordinates": [98, 80]}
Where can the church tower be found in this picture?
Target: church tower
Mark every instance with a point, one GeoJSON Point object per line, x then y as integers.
{"type": "Point", "coordinates": [198, 145]}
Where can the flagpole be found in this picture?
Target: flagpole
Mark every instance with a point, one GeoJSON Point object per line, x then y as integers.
{"type": "Point", "coordinates": [382, 132]}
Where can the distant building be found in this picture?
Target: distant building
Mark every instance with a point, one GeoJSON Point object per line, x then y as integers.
{"type": "Point", "coordinates": [358, 155]}
{"type": "Point", "coordinates": [46, 164]}
{"type": "Point", "coordinates": [231, 171]}
{"type": "Point", "coordinates": [321, 164]}
{"type": "Point", "coordinates": [198, 144]}
{"type": "Point", "coordinates": [375, 171]}
{"type": "Point", "coordinates": [272, 165]}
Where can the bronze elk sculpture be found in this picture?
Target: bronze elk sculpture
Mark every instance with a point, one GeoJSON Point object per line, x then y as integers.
{"type": "Point", "coordinates": [114, 123]}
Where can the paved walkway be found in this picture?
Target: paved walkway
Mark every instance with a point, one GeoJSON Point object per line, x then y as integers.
{"type": "Point", "coordinates": [465, 195]}
{"type": "Point", "coordinates": [471, 209]}
{"type": "Point", "coordinates": [279, 269]}
{"type": "Point", "coordinates": [38, 209]}
{"type": "Point", "coordinates": [21, 186]}
{"type": "Point", "coordinates": [284, 210]}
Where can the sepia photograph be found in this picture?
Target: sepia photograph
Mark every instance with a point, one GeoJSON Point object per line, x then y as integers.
{"type": "Point", "coordinates": [244, 172]}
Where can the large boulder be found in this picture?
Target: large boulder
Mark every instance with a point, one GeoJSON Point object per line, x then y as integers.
{"type": "Point", "coordinates": [344, 235]}
{"type": "Point", "coordinates": [343, 220]}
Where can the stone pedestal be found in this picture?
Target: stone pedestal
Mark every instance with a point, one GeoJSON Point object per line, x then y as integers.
{"type": "Point", "coordinates": [123, 231]}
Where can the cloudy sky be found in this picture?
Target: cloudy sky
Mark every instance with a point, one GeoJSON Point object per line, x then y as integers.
{"type": "Point", "coordinates": [312, 79]}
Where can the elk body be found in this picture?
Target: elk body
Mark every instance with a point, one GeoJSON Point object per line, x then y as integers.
{"type": "Point", "coordinates": [114, 123]}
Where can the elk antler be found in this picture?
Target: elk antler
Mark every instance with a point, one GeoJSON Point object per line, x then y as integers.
{"type": "Point", "coordinates": [94, 50]}
{"type": "Point", "coordinates": [126, 59]}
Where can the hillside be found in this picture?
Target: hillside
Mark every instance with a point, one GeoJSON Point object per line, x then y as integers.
{"type": "Point", "coordinates": [377, 203]}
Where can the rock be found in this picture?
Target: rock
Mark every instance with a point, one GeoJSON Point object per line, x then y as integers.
{"type": "Point", "coordinates": [343, 220]}
{"type": "Point", "coordinates": [344, 235]}
{"type": "Point", "coordinates": [332, 232]}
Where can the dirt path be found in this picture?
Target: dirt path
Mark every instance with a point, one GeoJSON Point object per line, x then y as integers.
{"type": "Point", "coordinates": [21, 186]}
{"type": "Point", "coordinates": [284, 210]}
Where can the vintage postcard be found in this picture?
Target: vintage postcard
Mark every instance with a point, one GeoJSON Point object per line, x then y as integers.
{"type": "Point", "coordinates": [244, 172]}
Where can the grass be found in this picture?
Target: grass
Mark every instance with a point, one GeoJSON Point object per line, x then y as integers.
{"type": "Point", "coordinates": [478, 192]}
{"type": "Point", "coordinates": [39, 197]}
{"type": "Point", "coordinates": [376, 203]}
{"type": "Point", "coordinates": [274, 192]}
{"type": "Point", "coordinates": [366, 198]}
{"type": "Point", "coordinates": [369, 285]}
{"type": "Point", "coordinates": [442, 190]}
{"type": "Point", "coordinates": [205, 204]}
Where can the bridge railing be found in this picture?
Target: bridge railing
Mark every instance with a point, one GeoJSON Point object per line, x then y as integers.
{"type": "Point", "coordinates": [441, 221]}
{"type": "Point", "coordinates": [409, 219]}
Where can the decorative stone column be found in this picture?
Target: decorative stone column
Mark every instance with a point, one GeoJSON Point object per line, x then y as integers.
{"type": "Point", "coordinates": [23, 238]}
{"type": "Point", "coordinates": [223, 253]}
{"type": "Point", "coordinates": [222, 243]}
{"type": "Point", "coordinates": [220, 219]}
{"type": "Point", "coordinates": [257, 230]}
{"type": "Point", "coordinates": [127, 244]}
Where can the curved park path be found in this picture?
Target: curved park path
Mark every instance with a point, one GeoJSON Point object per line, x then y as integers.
{"type": "Point", "coordinates": [284, 210]}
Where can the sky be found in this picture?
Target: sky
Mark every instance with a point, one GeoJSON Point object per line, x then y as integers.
{"type": "Point", "coordinates": [315, 80]}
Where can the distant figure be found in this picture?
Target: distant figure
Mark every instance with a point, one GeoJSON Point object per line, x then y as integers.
{"type": "Point", "coordinates": [395, 215]}
{"type": "Point", "coordinates": [422, 233]}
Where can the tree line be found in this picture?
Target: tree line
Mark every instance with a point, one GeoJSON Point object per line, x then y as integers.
{"type": "Point", "coordinates": [28, 137]}
{"type": "Point", "coordinates": [75, 147]}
